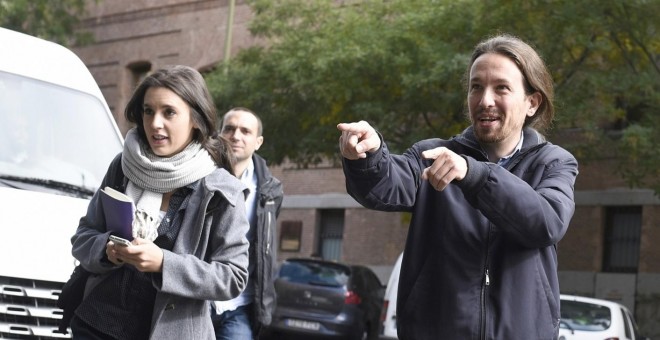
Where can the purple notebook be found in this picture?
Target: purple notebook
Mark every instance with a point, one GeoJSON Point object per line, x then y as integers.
{"type": "Point", "coordinates": [119, 210]}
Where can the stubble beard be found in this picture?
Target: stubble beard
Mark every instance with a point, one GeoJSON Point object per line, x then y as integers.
{"type": "Point", "coordinates": [490, 136]}
{"type": "Point", "coordinates": [496, 135]}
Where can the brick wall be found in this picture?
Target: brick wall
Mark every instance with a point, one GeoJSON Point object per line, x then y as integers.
{"type": "Point", "coordinates": [374, 237]}
{"type": "Point", "coordinates": [308, 237]}
{"type": "Point", "coordinates": [370, 237]}
{"type": "Point", "coordinates": [649, 257]}
{"type": "Point", "coordinates": [159, 32]}
{"type": "Point", "coordinates": [311, 181]}
{"type": "Point", "coordinates": [582, 246]}
{"type": "Point", "coordinates": [596, 175]}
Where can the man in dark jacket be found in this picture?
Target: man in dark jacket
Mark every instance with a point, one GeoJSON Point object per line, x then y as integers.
{"type": "Point", "coordinates": [489, 206]}
{"type": "Point", "coordinates": [243, 317]}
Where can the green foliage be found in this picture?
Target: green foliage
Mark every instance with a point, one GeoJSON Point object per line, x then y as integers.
{"type": "Point", "coordinates": [639, 156]}
{"type": "Point", "coordinates": [330, 64]}
{"type": "Point", "coordinates": [46, 19]}
{"type": "Point", "coordinates": [399, 64]}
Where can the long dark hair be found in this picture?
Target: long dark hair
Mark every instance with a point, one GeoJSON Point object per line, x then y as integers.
{"type": "Point", "coordinates": [188, 84]}
{"type": "Point", "coordinates": [536, 77]}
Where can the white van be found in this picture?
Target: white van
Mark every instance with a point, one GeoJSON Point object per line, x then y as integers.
{"type": "Point", "coordinates": [57, 137]}
{"type": "Point", "coordinates": [388, 313]}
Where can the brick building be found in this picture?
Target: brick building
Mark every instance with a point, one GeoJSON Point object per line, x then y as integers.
{"type": "Point", "coordinates": [608, 252]}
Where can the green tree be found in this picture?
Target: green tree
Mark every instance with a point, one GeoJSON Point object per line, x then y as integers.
{"type": "Point", "coordinates": [50, 20]}
{"type": "Point", "coordinates": [604, 56]}
{"type": "Point", "coordinates": [326, 64]}
{"type": "Point", "coordinates": [400, 64]}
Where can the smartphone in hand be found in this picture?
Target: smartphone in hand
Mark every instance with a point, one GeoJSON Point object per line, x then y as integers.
{"type": "Point", "coordinates": [120, 241]}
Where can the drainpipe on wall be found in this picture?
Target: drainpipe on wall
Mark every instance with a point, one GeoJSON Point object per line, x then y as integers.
{"type": "Point", "coordinates": [230, 27]}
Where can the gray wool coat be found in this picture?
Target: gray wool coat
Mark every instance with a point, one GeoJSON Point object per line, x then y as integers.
{"type": "Point", "coordinates": [208, 262]}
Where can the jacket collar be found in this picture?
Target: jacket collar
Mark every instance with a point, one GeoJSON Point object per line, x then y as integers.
{"type": "Point", "coordinates": [226, 184]}
{"type": "Point", "coordinates": [531, 138]}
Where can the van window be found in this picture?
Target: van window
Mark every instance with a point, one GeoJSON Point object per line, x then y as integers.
{"type": "Point", "coordinates": [52, 133]}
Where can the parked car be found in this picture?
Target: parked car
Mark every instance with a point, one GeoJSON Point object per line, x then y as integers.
{"type": "Point", "coordinates": [388, 312]}
{"type": "Point", "coordinates": [324, 299]}
{"type": "Point", "coordinates": [584, 318]}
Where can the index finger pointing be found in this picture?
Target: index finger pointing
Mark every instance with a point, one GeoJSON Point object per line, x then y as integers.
{"type": "Point", "coordinates": [357, 128]}
{"type": "Point", "coordinates": [343, 127]}
{"type": "Point", "coordinates": [433, 153]}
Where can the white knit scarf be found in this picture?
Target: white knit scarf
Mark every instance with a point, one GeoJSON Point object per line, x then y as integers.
{"type": "Point", "coordinates": [150, 176]}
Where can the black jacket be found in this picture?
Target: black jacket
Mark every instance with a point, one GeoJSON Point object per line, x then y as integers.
{"type": "Point", "coordinates": [480, 260]}
{"type": "Point", "coordinates": [269, 200]}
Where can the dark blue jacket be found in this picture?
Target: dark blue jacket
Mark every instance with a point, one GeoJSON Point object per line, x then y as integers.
{"type": "Point", "coordinates": [480, 260]}
{"type": "Point", "coordinates": [269, 201]}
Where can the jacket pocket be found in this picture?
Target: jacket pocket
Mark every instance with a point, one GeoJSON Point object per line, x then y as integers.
{"type": "Point", "coordinates": [548, 301]}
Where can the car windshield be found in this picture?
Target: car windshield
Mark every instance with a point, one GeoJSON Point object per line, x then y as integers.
{"type": "Point", "coordinates": [584, 316]}
{"type": "Point", "coordinates": [43, 139]}
{"type": "Point", "coordinates": [314, 273]}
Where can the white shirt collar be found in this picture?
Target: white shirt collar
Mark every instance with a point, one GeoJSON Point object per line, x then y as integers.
{"type": "Point", "coordinates": [504, 159]}
{"type": "Point", "coordinates": [248, 173]}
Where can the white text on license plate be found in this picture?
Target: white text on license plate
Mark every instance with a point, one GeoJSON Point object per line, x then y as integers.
{"type": "Point", "coordinates": [314, 326]}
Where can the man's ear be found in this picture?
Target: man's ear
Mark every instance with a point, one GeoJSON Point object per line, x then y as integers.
{"type": "Point", "coordinates": [535, 100]}
{"type": "Point", "coordinates": [260, 140]}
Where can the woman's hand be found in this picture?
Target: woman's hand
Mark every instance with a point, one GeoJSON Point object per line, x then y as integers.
{"type": "Point", "coordinates": [111, 253]}
{"type": "Point", "coordinates": [144, 255]}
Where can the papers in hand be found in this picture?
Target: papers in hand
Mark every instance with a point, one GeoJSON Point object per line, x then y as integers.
{"type": "Point", "coordinates": [119, 211]}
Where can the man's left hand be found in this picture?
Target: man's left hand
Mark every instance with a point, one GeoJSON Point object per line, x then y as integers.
{"type": "Point", "coordinates": [447, 166]}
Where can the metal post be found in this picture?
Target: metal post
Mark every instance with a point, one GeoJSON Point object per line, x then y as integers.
{"type": "Point", "coordinates": [230, 27]}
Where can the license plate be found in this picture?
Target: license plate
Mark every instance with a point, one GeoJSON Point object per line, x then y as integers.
{"type": "Point", "coordinates": [309, 325]}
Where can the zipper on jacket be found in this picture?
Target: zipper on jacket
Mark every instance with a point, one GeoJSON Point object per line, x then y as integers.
{"type": "Point", "coordinates": [484, 289]}
{"type": "Point", "coordinates": [482, 323]}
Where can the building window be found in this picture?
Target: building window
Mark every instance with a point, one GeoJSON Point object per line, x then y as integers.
{"type": "Point", "coordinates": [623, 230]}
{"type": "Point", "coordinates": [290, 235]}
{"type": "Point", "coordinates": [331, 233]}
{"type": "Point", "coordinates": [139, 70]}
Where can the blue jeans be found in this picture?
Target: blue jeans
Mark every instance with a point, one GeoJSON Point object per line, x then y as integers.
{"type": "Point", "coordinates": [233, 325]}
